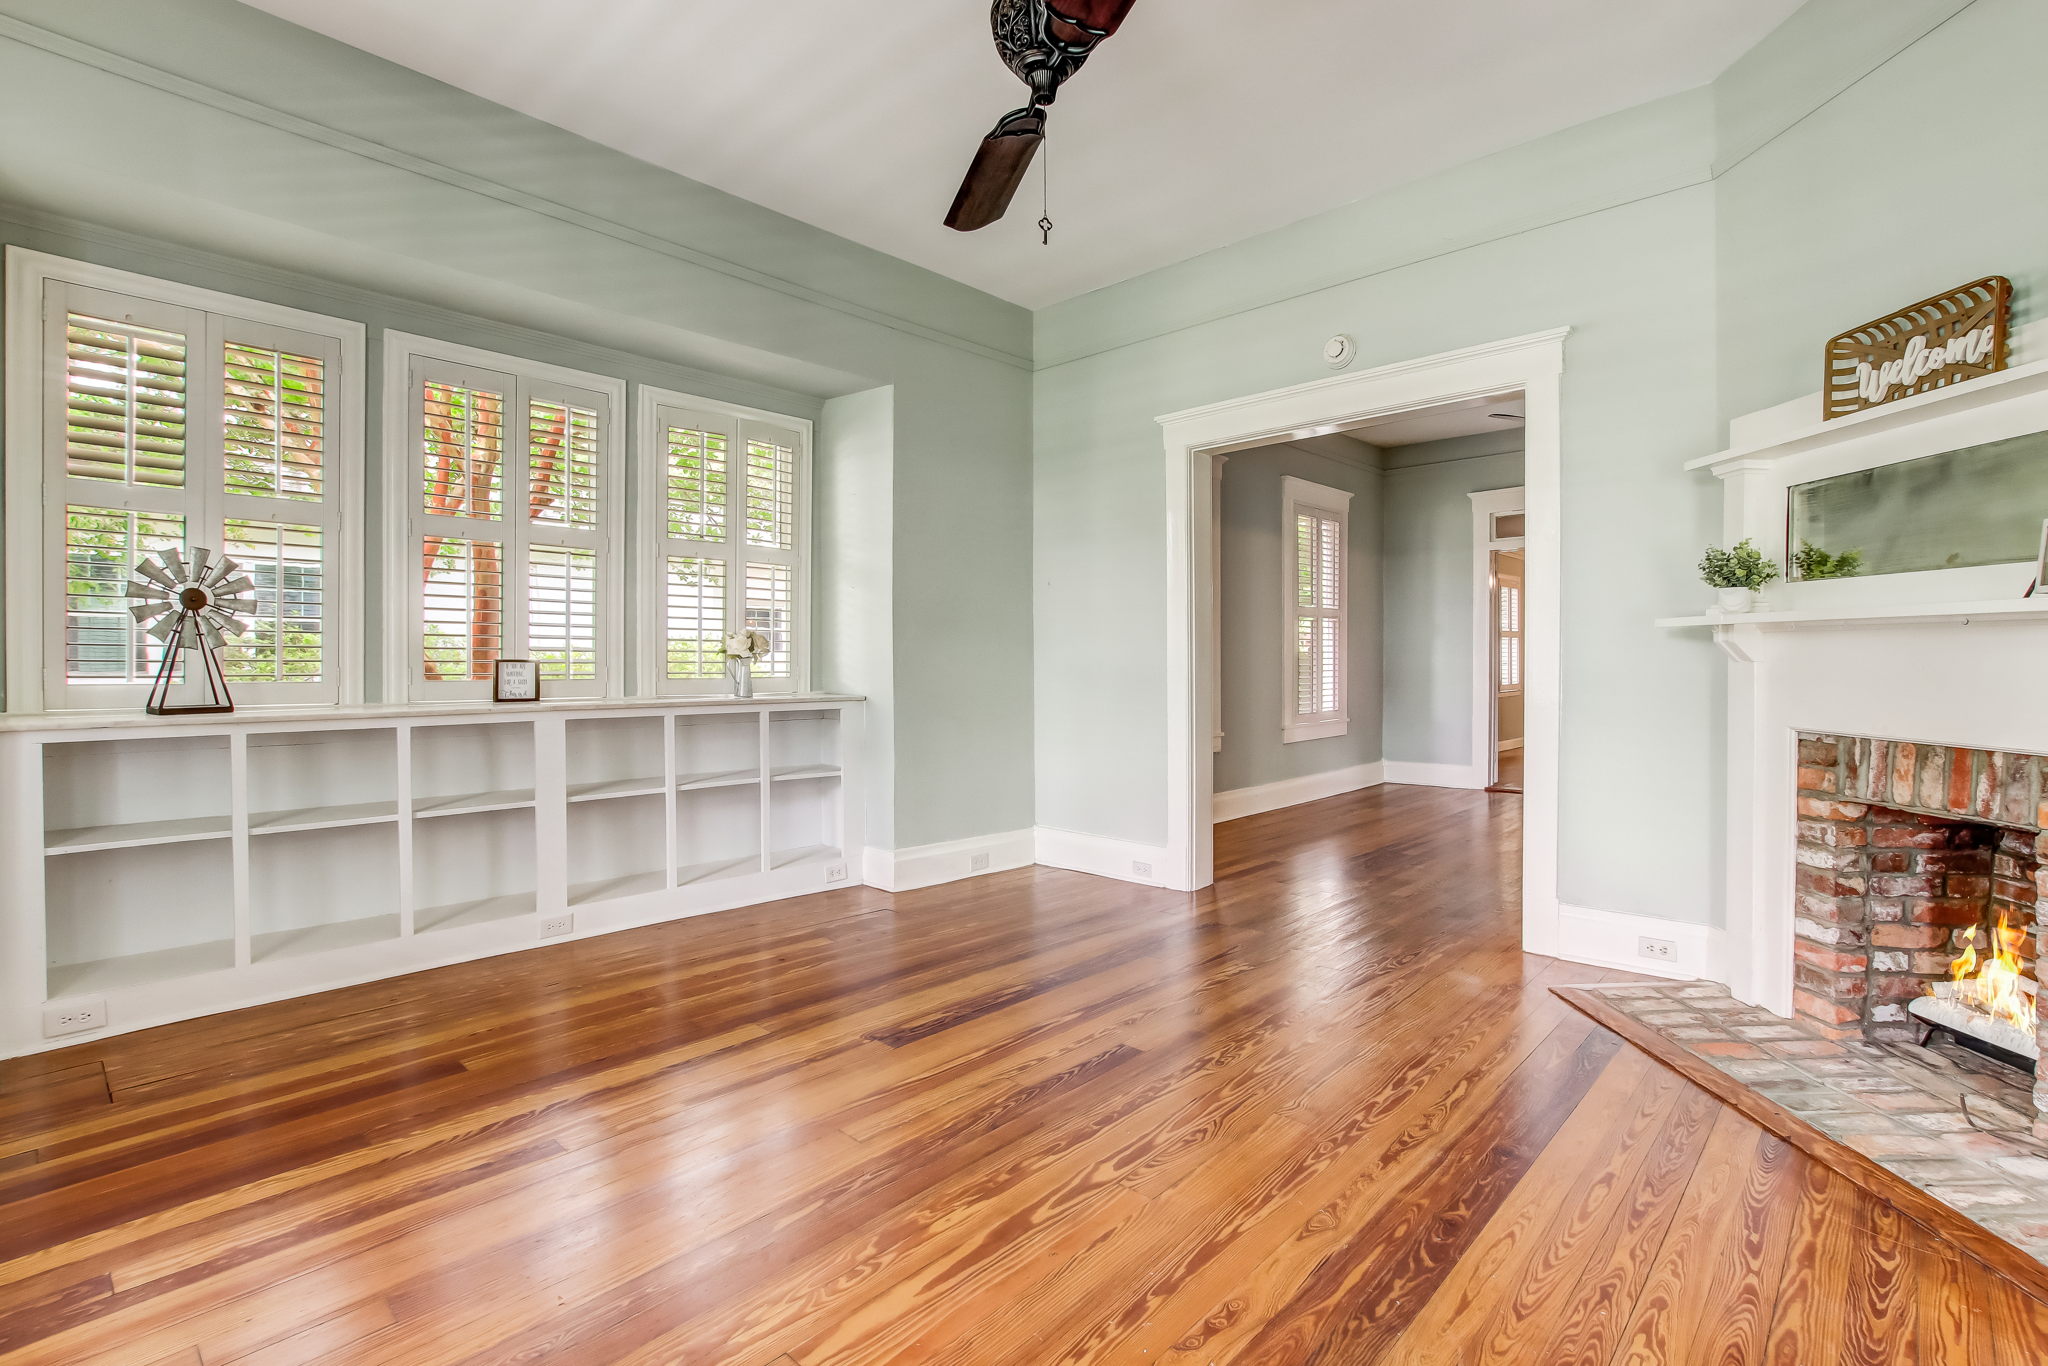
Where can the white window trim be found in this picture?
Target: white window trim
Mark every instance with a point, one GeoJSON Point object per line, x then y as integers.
{"type": "Point", "coordinates": [402, 678]}
{"type": "Point", "coordinates": [28, 605]}
{"type": "Point", "coordinates": [650, 465]}
{"type": "Point", "coordinates": [1298, 495]}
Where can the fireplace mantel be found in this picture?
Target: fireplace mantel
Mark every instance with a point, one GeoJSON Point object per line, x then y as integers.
{"type": "Point", "coordinates": [1733, 629]}
{"type": "Point", "coordinates": [1955, 657]}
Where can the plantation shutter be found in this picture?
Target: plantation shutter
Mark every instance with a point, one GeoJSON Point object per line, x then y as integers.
{"type": "Point", "coordinates": [733, 543]}
{"type": "Point", "coordinates": [281, 508]}
{"type": "Point", "coordinates": [511, 511]}
{"type": "Point", "coordinates": [174, 427]}
{"type": "Point", "coordinates": [1316, 519]}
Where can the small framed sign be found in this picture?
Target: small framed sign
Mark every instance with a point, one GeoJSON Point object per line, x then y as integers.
{"type": "Point", "coordinates": [516, 680]}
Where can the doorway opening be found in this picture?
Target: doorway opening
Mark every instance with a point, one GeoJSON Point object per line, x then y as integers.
{"type": "Point", "coordinates": [1500, 568]}
{"type": "Point", "coordinates": [1527, 368]}
{"type": "Point", "coordinates": [1353, 637]}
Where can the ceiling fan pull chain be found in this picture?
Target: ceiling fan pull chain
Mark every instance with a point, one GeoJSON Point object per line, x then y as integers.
{"type": "Point", "coordinates": [1045, 185]}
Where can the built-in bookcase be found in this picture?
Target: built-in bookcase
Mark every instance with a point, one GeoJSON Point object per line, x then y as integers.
{"type": "Point", "coordinates": [171, 868]}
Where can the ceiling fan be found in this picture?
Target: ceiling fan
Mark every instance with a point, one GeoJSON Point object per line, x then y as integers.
{"type": "Point", "coordinates": [1044, 42]}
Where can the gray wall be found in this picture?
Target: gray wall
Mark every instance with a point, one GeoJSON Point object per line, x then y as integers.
{"type": "Point", "coordinates": [1255, 647]}
{"type": "Point", "coordinates": [1430, 589]}
{"type": "Point", "coordinates": [210, 143]}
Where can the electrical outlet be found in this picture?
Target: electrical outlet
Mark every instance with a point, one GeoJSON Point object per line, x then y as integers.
{"type": "Point", "coordinates": [1663, 950]}
{"type": "Point", "coordinates": [557, 925]}
{"type": "Point", "coordinates": [1141, 869]}
{"type": "Point", "coordinates": [74, 1016]}
{"type": "Point", "coordinates": [978, 863]}
{"type": "Point", "coordinates": [835, 872]}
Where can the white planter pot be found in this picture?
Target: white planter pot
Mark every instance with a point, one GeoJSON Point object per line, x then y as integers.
{"type": "Point", "coordinates": [1735, 599]}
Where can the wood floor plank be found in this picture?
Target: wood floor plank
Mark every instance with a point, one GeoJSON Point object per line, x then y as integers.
{"type": "Point", "coordinates": [1325, 1111]}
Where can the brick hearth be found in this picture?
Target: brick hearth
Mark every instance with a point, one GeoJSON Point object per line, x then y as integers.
{"type": "Point", "coordinates": [1903, 849]}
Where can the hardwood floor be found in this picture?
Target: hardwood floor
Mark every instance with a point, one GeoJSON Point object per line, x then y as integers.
{"type": "Point", "coordinates": [1325, 1113]}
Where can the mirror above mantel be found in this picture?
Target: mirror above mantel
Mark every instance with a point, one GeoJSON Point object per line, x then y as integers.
{"type": "Point", "coordinates": [1941, 499]}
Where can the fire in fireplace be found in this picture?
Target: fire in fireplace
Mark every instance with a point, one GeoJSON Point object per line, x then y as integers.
{"type": "Point", "coordinates": [1922, 870]}
{"type": "Point", "coordinates": [1988, 1000]}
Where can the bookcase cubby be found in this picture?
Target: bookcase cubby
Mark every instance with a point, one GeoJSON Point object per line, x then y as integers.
{"type": "Point", "coordinates": [172, 867]}
{"type": "Point", "coordinates": [472, 868]}
{"type": "Point", "coordinates": [314, 890]}
{"type": "Point", "coordinates": [615, 757]}
{"type": "Point", "coordinates": [306, 780]}
{"type": "Point", "coordinates": [118, 917]}
{"type": "Point", "coordinates": [466, 768]}
{"type": "Point", "coordinates": [717, 751]}
{"type": "Point", "coordinates": [617, 848]}
{"type": "Point", "coordinates": [135, 791]}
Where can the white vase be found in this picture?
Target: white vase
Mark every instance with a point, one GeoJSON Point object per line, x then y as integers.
{"type": "Point", "coordinates": [741, 672]}
{"type": "Point", "coordinates": [1736, 599]}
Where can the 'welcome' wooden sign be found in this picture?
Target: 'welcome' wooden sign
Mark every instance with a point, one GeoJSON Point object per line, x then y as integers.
{"type": "Point", "coordinates": [1945, 340]}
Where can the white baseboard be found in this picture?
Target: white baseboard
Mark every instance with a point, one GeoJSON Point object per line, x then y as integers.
{"type": "Point", "coordinates": [1310, 787]}
{"type": "Point", "coordinates": [928, 865]}
{"type": "Point", "coordinates": [1608, 939]}
{"type": "Point", "coordinates": [1102, 856]}
{"type": "Point", "coordinates": [1504, 746]}
{"type": "Point", "coordinates": [1403, 773]}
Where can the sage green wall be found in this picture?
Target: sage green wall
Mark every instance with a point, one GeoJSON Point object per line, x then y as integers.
{"type": "Point", "coordinates": [1608, 228]}
{"type": "Point", "coordinates": [854, 638]}
{"type": "Point", "coordinates": [207, 141]}
{"type": "Point", "coordinates": [1926, 167]}
{"type": "Point", "coordinates": [1430, 587]}
{"type": "Point", "coordinates": [1702, 248]}
{"type": "Point", "coordinates": [1257, 540]}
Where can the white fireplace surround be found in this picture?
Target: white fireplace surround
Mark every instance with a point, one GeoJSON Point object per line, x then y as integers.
{"type": "Point", "coordinates": [1954, 657]}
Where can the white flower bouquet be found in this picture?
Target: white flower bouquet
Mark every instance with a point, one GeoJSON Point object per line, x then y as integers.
{"type": "Point", "coordinates": [747, 645]}
{"type": "Point", "coordinates": [742, 648]}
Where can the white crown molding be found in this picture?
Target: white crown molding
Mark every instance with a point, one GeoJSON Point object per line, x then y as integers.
{"type": "Point", "coordinates": [164, 259]}
{"type": "Point", "coordinates": [127, 68]}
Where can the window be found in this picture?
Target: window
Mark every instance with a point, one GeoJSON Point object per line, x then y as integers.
{"type": "Point", "coordinates": [1316, 521]}
{"type": "Point", "coordinates": [725, 489]}
{"type": "Point", "coordinates": [173, 418]}
{"type": "Point", "coordinates": [510, 482]}
{"type": "Point", "coordinates": [1509, 596]}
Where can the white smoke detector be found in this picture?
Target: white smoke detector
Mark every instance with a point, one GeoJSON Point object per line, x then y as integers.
{"type": "Point", "coordinates": [1339, 351]}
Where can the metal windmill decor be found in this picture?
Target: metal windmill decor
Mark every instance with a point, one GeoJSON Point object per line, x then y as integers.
{"type": "Point", "coordinates": [191, 607]}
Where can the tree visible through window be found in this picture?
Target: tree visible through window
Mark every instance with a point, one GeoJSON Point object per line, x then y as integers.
{"type": "Point", "coordinates": [512, 527]}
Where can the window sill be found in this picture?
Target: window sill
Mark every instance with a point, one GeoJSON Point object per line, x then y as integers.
{"type": "Point", "coordinates": [1313, 730]}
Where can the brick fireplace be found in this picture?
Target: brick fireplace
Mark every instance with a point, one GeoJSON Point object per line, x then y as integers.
{"type": "Point", "coordinates": [1904, 849]}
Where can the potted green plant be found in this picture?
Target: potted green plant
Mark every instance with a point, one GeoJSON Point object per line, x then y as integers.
{"type": "Point", "coordinates": [1739, 572]}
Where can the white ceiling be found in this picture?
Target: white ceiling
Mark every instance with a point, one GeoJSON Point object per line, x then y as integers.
{"type": "Point", "coordinates": [1375, 443]}
{"type": "Point", "coordinates": [1200, 124]}
{"type": "Point", "coordinates": [1467, 417]}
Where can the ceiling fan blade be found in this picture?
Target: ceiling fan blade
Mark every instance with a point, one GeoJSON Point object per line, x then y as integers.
{"type": "Point", "coordinates": [1096, 16]}
{"type": "Point", "coordinates": [998, 169]}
